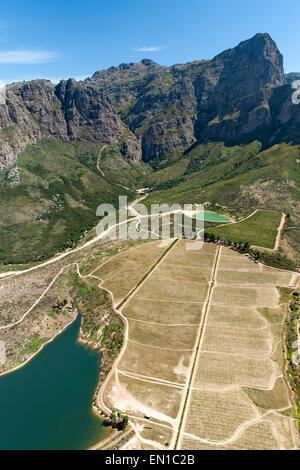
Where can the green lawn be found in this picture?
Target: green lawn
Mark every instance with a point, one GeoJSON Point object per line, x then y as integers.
{"type": "Point", "coordinates": [260, 229]}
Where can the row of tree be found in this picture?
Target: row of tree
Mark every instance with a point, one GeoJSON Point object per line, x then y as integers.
{"type": "Point", "coordinates": [243, 247]}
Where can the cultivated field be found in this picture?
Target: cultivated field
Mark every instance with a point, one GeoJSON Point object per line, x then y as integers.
{"type": "Point", "coordinates": [260, 229]}
{"type": "Point", "coordinates": [202, 363]}
{"type": "Point", "coordinates": [123, 272]}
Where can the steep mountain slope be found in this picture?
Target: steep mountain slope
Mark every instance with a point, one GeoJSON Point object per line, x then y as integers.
{"type": "Point", "coordinates": [237, 179]}
{"type": "Point", "coordinates": [291, 77]}
{"type": "Point", "coordinates": [49, 200]}
{"type": "Point", "coordinates": [225, 98]}
{"type": "Point", "coordinates": [238, 93]}
{"type": "Point", "coordinates": [69, 112]}
{"type": "Point", "coordinates": [223, 130]}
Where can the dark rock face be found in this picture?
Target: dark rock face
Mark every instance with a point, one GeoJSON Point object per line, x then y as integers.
{"type": "Point", "coordinates": [151, 111]}
{"type": "Point", "coordinates": [70, 112]}
{"type": "Point", "coordinates": [31, 110]}
{"type": "Point", "coordinates": [234, 89]}
{"type": "Point", "coordinates": [221, 99]}
{"type": "Point", "coordinates": [285, 114]}
{"type": "Point", "coordinates": [88, 113]}
{"type": "Point", "coordinates": [157, 103]}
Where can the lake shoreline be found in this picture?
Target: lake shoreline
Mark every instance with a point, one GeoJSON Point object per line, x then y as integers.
{"type": "Point", "coordinates": [23, 364]}
{"type": "Point", "coordinates": [88, 346]}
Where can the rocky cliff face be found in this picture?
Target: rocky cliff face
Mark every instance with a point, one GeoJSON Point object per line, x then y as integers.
{"type": "Point", "coordinates": [234, 89]}
{"type": "Point", "coordinates": [70, 112]}
{"type": "Point", "coordinates": [221, 99]}
{"type": "Point", "coordinates": [285, 109]}
{"type": "Point", "coordinates": [151, 111]}
{"type": "Point", "coordinates": [157, 103]}
{"type": "Point", "coordinates": [30, 111]}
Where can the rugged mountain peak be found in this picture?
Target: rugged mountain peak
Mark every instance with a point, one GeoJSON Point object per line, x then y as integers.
{"type": "Point", "coordinates": [162, 110]}
{"type": "Point", "coordinates": [261, 52]}
{"type": "Point", "coordinates": [223, 98]}
{"type": "Point", "coordinates": [125, 71]}
{"type": "Point", "coordinates": [149, 62]}
{"type": "Point", "coordinates": [70, 111]}
{"type": "Point", "coordinates": [31, 110]}
{"type": "Point", "coordinates": [235, 87]}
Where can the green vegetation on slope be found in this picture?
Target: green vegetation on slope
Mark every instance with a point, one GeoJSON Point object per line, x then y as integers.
{"type": "Point", "coordinates": [292, 336]}
{"type": "Point", "coordinates": [50, 199]}
{"type": "Point", "coordinates": [260, 229]}
{"type": "Point", "coordinates": [49, 203]}
{"type": "Point", "coordinates": [240, 176]}
{"type": "Point", "coordinates": [121, 171]}
{"type": "Point", "coordinates": [207, 164]}
{"type": "Point", "coordinates": [237, 180]}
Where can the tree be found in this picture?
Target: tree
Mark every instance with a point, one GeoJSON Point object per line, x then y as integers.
{"type": "Point", "coordinates": [125, 422]}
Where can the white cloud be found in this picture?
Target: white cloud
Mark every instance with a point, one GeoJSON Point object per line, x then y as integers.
{"type": "Point", "coordinates": [149, 48]}
{"type": "Point", "coordinates": [27, 56]}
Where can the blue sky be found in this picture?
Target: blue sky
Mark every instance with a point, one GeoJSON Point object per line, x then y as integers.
{"type": "Point", "coordinates": [74, 38]}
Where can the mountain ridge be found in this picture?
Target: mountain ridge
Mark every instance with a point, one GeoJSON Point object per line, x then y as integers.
{"type": "Point", "coordinates": [153, 111]}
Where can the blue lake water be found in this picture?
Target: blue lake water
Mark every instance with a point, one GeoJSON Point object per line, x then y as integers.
{"type": "Point", "coordinates": [47, 404]}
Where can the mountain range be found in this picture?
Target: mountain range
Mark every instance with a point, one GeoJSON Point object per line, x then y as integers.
{"type": "Point", "coordinates": [152, 111]}
{"type": "Point", "coordinates": [224, 130]}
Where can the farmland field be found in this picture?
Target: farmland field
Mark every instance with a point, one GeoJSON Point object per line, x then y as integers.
{"type": "Point", "coordinates": [202, 364]}
{"type": "Point", "coordinates": [260, 229]}
{"type": "Point", "coordinates": [122, 273]}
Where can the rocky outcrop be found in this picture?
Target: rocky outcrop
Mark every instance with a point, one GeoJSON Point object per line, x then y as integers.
{"type": "Point", "coordinates": [151, 111]}
{"type": "Point", "coordinates": [225, 98]}
{"type": "Point", "coordinates": [157, 103]}
{"type": "Point", "coordinates": [88, 113]}
{"type": "Point", "coordinates": [234, 89]}
{"type": "Point", "coordinates": [285, 110]}
{"type": "Point", "coordinates": [30, 111]}
{"type": "Point", "coordinates": [71, 111]}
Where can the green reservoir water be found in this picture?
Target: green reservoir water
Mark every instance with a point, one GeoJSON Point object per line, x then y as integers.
{"type": "Point", "coordinates": [47, 403]}
{"type": "Point", "coordinates": [210, 217]}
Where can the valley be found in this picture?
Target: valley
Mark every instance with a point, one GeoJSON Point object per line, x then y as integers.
{"type": "Point", "coordinates": [177, 310]}
{"type": "Point", "coordinates": [178, 348]}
